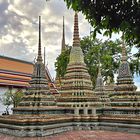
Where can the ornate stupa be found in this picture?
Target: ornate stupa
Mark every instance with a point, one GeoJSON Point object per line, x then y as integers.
{"type": "Point", "coordinates": [125, 94]}
{"type": "Point", "coordinates": [38, 96]}
{"type": "Point", "coordinates": [100, 89]}
{"type": "Point", "coordinates": [77, 89]}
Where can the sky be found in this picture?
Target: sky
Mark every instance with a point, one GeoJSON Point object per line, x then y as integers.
{"type": "Point", "coordinates": [19, 29]}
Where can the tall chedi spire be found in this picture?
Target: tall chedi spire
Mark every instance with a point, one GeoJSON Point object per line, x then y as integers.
{"type": "Point", "coordinates": [77, 89]}
{"type": "Point", "coordinates": [39, 57]}
{"type": "Point", "coordinates": [125, 91]}
{"type": "Point", "coordinates": [76, 39]}
{"type": "Point", "coordinates": [58, 78]}
{"type": "Point", "coordinates": [124, 54]}
{"type": "Point", "coordinates": [63, 46]}
{"type": "Point", "coordinates": [37, 98]}
{"type": "Point", "coordinates": [39, 74]}
{"type": "Point", "coordinates": [76, 55]}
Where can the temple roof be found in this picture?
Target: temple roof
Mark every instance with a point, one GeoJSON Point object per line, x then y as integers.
{"type": "Point", "coordinates": [15, 65]}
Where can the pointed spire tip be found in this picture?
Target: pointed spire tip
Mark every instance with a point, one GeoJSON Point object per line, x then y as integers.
{"type": "Point", "coordinates": [63, 37]}
{"type": "Point", "coordinates": [39, 41]}
{"type": "Point", "coordinates": [124, 52]}
{"type": "Point", "coordinates": [76, 39]}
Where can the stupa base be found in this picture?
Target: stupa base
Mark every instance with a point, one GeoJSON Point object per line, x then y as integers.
{"type": "Point", "coordinates": [45, 125]}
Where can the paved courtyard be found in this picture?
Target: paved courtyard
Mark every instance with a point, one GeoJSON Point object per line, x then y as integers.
{"type": "Point", "coordinates": [81, 135]}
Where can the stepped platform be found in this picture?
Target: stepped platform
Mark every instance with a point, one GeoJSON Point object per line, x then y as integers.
{"type": "Point", "coordinates": [86, 135]}
{"type": "Point", "coordinates": [45, 125]}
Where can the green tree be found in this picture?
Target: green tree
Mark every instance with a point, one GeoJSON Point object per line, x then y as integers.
{"type": "Point", "coordinates": [112, 16]}
{"type": "Point", "coordinates": [12, 98]}
{"type": "Point", "coordinates": [61, 63]}
{"type": "Point", "coordinates": [108, 53]}
{"type": "Point", "coordinates": [6, 101]}
{"type": "Point", "coordinates": [16, 97]}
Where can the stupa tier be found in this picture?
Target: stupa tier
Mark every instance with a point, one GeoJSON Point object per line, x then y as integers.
{"type": "Point", "coordinates": [77, 89]}
{"type": "Point", "coordinates": [125, 94]}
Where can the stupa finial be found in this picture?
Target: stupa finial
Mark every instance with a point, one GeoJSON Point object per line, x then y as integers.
{"type": "Point", "coordinates": [99, 66]}
{"type": "Point", "coordinates": [63, 37]}
{"type": "Point", "coordinates": [99, 80]}
{"type": "Point", "coordinates": [76, 39]}
{"type": "Point", "coordinates": [44, 56]}
{"type": "Point", "coordinates": [39, 58]}
{"type": "Point", "coordinates": [124, 53]}
{"type": "Point", "coordinates": [99, 70]}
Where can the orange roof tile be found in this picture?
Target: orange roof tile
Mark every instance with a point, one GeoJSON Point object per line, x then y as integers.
{"type": "Point", "coordinates": [15, 83]}
{"type": "Point", "coordinates": [15, 65]}
{"type": "Point", "coordinates": [3, 75]}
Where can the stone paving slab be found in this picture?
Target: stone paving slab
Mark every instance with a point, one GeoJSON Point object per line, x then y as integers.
{"type": "Point", "coordinates": [81, 135]}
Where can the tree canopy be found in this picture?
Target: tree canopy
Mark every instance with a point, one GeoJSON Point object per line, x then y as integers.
{"type": "Point", "coordinates": [106, 53]}
{"type": "Point", "coordinates": [62, 61]}
{"type": "Point", "coordinates": [112, 16]}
